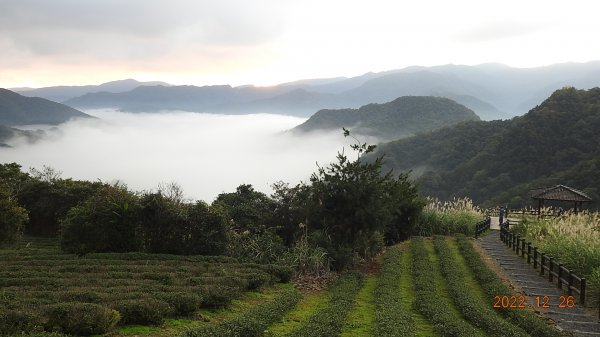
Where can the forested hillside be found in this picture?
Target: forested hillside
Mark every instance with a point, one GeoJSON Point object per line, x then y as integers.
{"type": "Point", "coordinates": [20, 110]}
{"type": "Point", "coordinates": [497, 162]}
{"type": "Point", "coordinates": [402, 117]}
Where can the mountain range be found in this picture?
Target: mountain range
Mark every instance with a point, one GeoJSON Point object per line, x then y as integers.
{"type": "Point", "coordinates": [497, 162]}
{"type": "Point", "coordinates": [16, 109]}
{"type": "Point", "coordinates": [400, 118]}
{"type": "Point", "coordinates": [492, 91]}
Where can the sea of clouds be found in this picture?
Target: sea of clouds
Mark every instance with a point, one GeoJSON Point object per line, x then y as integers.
{"type": "Point", "coordinates": [206, 154]}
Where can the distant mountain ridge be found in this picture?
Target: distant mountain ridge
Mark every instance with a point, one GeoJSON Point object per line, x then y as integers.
{"type": "Point", "coordinates": [400, 118]}
{"type": "Point", "coordinates": [16, 109]}
{"type": "Point", "coordinates": [498, 162]}
{"type": "Point", "coordinates": [492, 91]}
{"type": "Point", "coordinates": [63, 93]}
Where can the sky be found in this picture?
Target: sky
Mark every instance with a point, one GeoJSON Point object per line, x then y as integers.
{"type": "Point", "coordinates": [206, 154]}
{"type": "Point", "coordinates": [265, 42]}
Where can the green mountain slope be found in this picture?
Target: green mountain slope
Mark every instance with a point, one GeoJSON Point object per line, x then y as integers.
{"type": "Point", "coordinates": [497, 162]}
{"type": "Point", "coordinates": [20, 110]}
{"type": "Point", "coordinates": [402, 117]}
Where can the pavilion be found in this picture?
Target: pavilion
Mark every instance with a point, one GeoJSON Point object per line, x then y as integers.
{"type": "Point", "coordinates": [560, 193]}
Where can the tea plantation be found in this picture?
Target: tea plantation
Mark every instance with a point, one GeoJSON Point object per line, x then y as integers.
{"type": "Point", "coordinates": [423, 287]}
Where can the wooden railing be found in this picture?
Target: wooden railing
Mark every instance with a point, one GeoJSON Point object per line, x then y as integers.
{"type": "Point", "coordinates": [545, 263]}
{"type": "Point", "coordinates": [482, 226]}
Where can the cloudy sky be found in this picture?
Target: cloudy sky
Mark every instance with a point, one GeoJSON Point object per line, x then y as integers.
{"type": "Point", "coordinates": [50, 42]}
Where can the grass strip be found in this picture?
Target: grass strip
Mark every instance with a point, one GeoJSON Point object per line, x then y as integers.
{"type": "Point", "coordinates": [252, 322]}
{"type": "Point", "coordinates": [429, 299]}
{"type": "Point", "coordinates": [360, 320]}
{"type": "Point", "coordinates": [493, 286]}
{"type": "Point", "coordinates": [391, 318]}
{"type": "Point", "coordinates": [465, 299]}
{"type": "Point", "coordinates": [329, 321]}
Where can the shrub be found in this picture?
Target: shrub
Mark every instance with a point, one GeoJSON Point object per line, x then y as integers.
{"type": "Point", "coordinates": [142, 311]}
{"type": "Point", "coordinates": [106, 222]}
{"type": "Point", "coordinates": [183, 303]}
{"type": "Point", "coordinates": [282, 273]}
{"type": "Point", "coordinates": [445, 218]}
{"type": "Point", "coordinates": [218, 296]}
{"type": "Point", "coordinates": [80, 318]}
{"type": "Point", "coordinates": [12, 217]}
{"type": "Point", "coordinates": [251, 323]}
{"type": "Point", "coordinates": [329, 321]}
{"type": "Point", "coordinates": [16, 321]}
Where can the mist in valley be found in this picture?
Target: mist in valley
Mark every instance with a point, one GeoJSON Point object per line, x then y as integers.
{"type": "Point", "coordinates": [206, 154]}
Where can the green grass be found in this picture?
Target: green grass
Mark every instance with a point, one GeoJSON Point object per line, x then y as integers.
{"type": "Point", "coordinates": [309, 303]}
{"type": "Point", "coordinates": [424, 328]}
{"type": "Point", "coordinates": [360, 320]}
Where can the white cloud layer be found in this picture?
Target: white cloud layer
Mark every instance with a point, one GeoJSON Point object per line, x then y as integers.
{"type": "Point", "coordinates": [206, 154]}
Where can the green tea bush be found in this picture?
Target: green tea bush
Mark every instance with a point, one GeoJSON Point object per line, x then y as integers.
{"type": "Point", "coordinates": [493, 286]}
{"type": "Point", "coordinates": [142, 311]}
{"type": "Point", "coordinates": [282, 273]}
{"type": "Point", "coordinates": [428, 299]}
{"type": "Point", "coordinates": [16, 321]}
{"type": "Point", "coordinates": [81, 319]}
{"type": "Point", "coordinates": [330, 320]}
{"type": "Point", "coordinates": [390, 318]}
{"type": "Point", "coordinates": [478, 312]}
{"type": "Point", "coordinates": [218, 296]}
{"type": "Point", "coordinates": [182, 303]}
{"type": "Point", "coordinates": [251, 323]}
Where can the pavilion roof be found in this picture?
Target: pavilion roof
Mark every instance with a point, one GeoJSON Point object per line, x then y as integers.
{"type": "Point", "coordinates": [560, 193]}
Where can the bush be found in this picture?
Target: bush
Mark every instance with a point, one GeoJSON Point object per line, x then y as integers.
{"type": "Point", "coordinates": [251, 323]}
{"type": "Point", "coordinates": [81, 319]}
{"type": "Point", "coordinates": [330, 320]}
{"type": "Point", "coordinates": [16, 321]}
{"type": "Point", "coordinates": [106, 222]}
{"type": "Point", "coordinates": [183, 304]}
{"type": "Point", "coordinates": [282, 273]}
{"type": "Point", "coordinates": [12, 217]}
{"type": "Point", "coordinates": [142, 311]}
{"type": "Point", "coordinates": [218, 296]}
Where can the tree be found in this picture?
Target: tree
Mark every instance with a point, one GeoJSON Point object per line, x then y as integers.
{"type": "Point", "coordinates": [12, 217]}
{"type": "Point", "coordinates": [352, 205]}
{"type": "Point", "coordinates": [249, 209]}
{"type": "Point", "coordinates": [108, 221]}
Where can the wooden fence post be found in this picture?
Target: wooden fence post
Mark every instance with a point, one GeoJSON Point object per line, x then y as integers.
{"type": "Point", "coordinates": [570, 282]}
{"type": "Point", "coordinates": [523, 248]}
{"type": "Point", "coordinates": [528, 252]}
{"type": "Point", "coordinates": [543, 263]}
{"type": "Point", "coordinates": [559, 276]}
{"type": "Point", "coordinates": [535, 257]}
{"type": "Point", "coordinates": [550, 269]}
{"type": "Point", "coordinates": [582, 291]}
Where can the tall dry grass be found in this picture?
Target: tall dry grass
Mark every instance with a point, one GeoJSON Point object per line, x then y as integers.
{"type": "Point", "coordinates": [449, 217]}
{"type": "Point", "coordinates": [573, 239]}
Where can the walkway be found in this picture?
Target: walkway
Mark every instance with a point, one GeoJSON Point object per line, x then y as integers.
{"type": "Point", "coordinates": [531, 284]}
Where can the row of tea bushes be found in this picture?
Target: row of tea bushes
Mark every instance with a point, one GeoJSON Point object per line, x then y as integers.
{"type": "Point", "coordinates": [391, 319]}
{"type": "Point", "coordinates": [492, 285]}
{"type": "Point", "coordinates": [428, 299]}
{"type": "Point", "coordinates": [478, 312]}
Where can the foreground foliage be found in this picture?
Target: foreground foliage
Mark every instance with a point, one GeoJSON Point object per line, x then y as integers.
{"type": "Point", "coordinates": [330, 320]}
{"type": "Point", "coordinates": [390, 317]}
{"type": "Point", "coordinates": [447, 218]}
{"type": "Point", "coordinates": [429, 301]}
{"type": "Point", "coordinates": [45, 289]}
{"type": "Point", "coordinates": [478, 312]}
